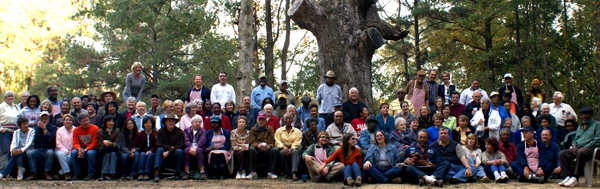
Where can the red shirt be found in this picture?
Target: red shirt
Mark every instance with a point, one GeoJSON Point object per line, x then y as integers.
{"type": "Point", "coordinates": [225, 123]}
{"type": "Point", "coordinates": [509, 150]}
{"type": "Point", "coordinates": [274, 122]}
{"type": "Point", "coordinates": [358, 125]}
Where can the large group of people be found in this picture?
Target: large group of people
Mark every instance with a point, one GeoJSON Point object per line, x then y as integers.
{"type": "Point", "coordinates": [431, 134]}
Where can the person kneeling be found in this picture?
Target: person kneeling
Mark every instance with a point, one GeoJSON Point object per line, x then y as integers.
{"type": "Point", "coordinates": [169, 141]}
{"type": "Point", "coordinates": [382, 161]}
{"type": "Point", "coordinates": [315, 156]}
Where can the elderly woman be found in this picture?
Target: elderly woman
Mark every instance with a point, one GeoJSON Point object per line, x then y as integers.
{"type": "Point", "coordinates": [186, 120]}
{"type": "Point", "coordinates": [239, 147]}
{"type": "Point", "coordinates": [217, 146]}
{"type": "Point", "coordinates": [382, 161]}
{"type": "Point", "coordinates": [296, 122]}
{"type": "Point", "coordinates": [269, 101]}
{"type": "Point", "coordinates": [405, 112]}
{"type": "Point", "coordinates": [65, 109]}
{"type": "Point", "coordinates": [402, 137]}
{"type": "Point", "coordinates": [199, 107]}
{"type": "Point", "coordinates": [536, 106]}
{"type": "Point", "coordinates": [108, 141]}
{"type": "Point", "coordinates": [134, 82]}
{"type": "Point", "coordinates": [309, 136]}
{"type": "Point", "coordinates": [128, 152]}
{"type": "Point", "coordinates": [272, 120]}
{"type": "Point", "coordinates": [460, 133]}
{"type": "Point", "coordinates": [288, 139]}
{"type": "Point", "coordinates": [350, 156]}
{"type": "Point", "coordinates": [8, 124]}
{"type": "Point", "coordinates": [536, 91]}
{"type": "Point", "coordinates": [314, 113]}
{"type": "Point", "coordinates": [21, 142]}
{"type": "Point", "coordinates": [130, 111]}
{"type": "Point", "coordinates": [178, 109]}
{"type": "Point", "coordinates": [168, 106]}
{"type": "Point", "coordinates": [140, 115]}
{"type": "Point", "coordinates": [315, 156]}
{"type": "Point", "coordinates": [32, 111]}
{"type": "Point", "coordinates": [64, 146]}
{"type": "Point", "coordinates": [487, 120]}
{"type": "Point", "coordinates": [145, 145]}
{"type": "Point", "coordinates": [494, 160]}
{"type": "Point", "coordinates": [194, 139]}
{"type": "Point", "coordinates": [94, 117]}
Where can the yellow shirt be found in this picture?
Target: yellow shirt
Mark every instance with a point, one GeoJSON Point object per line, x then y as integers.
{"type": "Point", "coordinates": [283, 138]}
{"type": "Point", "coordinates": [396, 109]}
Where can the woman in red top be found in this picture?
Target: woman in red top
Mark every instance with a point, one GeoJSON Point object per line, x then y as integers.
{"type": "Point", "coordinates": [350, 156]}
{"type": "Point", "coordinates": [359, 123]}
{"type": "Point", "coordinates": [272, 120]}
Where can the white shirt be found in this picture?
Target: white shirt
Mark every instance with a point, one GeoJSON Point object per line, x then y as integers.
{"type": "Point", "coordinates": [561, 112]}
{"type": "Point", "coordinates": [194, 137]}
{"type": "Point", "coordinates": [466, 96]}
{"type": "Point", "coordinates": [8, 114]}
{"type": "Point", "coordinates": [222, 93]}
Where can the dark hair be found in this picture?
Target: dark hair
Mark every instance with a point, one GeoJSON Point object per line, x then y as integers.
{"type": "Point", "coordinates": [492, 141]}
{"type": "Point", "coordinates": [384, 136]}
{"type": "Point", "coordinates": [108, 118]}
{"type": "Point", "coordinates": [463, 118]}
{"type": "Point", "coordinates": [446, 106]}
{"type": "Point", "coordinates": [264, 102]}
{"type": "Point", "coordinates": [571, 121]}
{"type": "Point", "coordinates": [423, 131]}
{"type": "Point", "coordinates": [383, 104]}
{"type": "Point", "coordinates": [310, 120]}
{"type": "Point", "coordinates": [454, 93]}
{"type": "Point", "coordinates": [505, 103]}
{"type": "Point", "coordinates": [21, 120]}
{"type": "Point", "coordinates": [216, 103]}
{"type": "Point", "coordinates": [403, 102]}
{"type": "Point", "coordinates": [223, 72]}
{"type": "Point", "coordinates": [475, 79]}
{"type": "Point", "coordinates": [130, 134]}
{"type": "Point", "coordinates": [312, 104]}
{"type": "Point", "coordinates": [546, 117]}
{"type": "Point", "coordinates": [146, 119]}
{"type": "Point", "coordinates": [360, 110]}
{"type": "Point", "coordinates": [201, 77]}
{"type": "Point", "coordinates": [51, 87]}
{"type": "Point", "coordinates": [346, 147]}
{"type": "Point", "coordinates": [37, 101]}
{"type": "Point", "coordinates": [114, 103]}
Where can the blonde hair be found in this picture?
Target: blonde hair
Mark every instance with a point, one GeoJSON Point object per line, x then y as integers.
{"type": "Point", "coordinates": [168, 103]}
{"type": "Point", "coordinates": [140, 103]}
{"type": "Point", "coordinates": [135, 65]}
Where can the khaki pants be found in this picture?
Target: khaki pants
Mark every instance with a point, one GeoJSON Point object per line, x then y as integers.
{"type": "Point", "coordinates": [314, 168]}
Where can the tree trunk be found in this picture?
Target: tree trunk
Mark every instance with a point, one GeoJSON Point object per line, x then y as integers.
{"type": "Point", "coordinates": [269, 60]}
{"type": "Point", "coordinates": [518, 49]}
{"type": "Point", "coordinates": [597, 34]}
{"type": "Point", "coordinates": [286, 43]}
{"type": "Point", "coordinates": [246, 55]}
{"type": "Point", "coordinates": [539, 27]}
{"type": "Point", "coordinates": [348, 32]}
{"type": "Point", "coordinates": [417, 38]}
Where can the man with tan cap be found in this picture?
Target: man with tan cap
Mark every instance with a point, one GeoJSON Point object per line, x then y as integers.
{"type": "Point", "coordinates": [417, 91]}
{"type": "Point", "coordinates": [327, 94]}
{"type": "Point", "coordinates": [261, 92]}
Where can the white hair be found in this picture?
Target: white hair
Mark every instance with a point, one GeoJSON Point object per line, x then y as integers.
{"type": "Point", "coordinates": [353, 88]}
{"type": "Point", "coordinates": [399, 120]}
{"type": "Point", "coordinates": [544, 104]}
{"type": "Point", "coordinates": [559, 95]}
{"type": "Point", "coordinates": [197, 117]}
{"type": "Point", "coordinates": [7, 93]}
{"type": "Point", "coordinates": [131, 98]}
{"type": "Point", "coordinates": [268, 105]}
{"type": "Point", "coordinates": [291, 106]}
{"type": "Point", "coordinates": [537, 100]}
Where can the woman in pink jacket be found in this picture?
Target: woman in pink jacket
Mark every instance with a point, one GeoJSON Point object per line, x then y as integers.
{"type": "Point", "coordinates": [64, 146]}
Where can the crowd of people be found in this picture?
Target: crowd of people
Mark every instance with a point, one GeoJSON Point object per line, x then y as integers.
{"type": "Point", "coordinates": [431, 134]}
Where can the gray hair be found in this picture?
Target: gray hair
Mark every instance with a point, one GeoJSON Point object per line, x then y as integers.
{"type": "Point", "coordinates": [504, 129]}
{"type": "Point", "coordinates": [291, 106]}
{"type": "Point", "coordinates": [525, 118]}
{"type": "Point", "coordinates": [75, 98]}
{"type": "Point", "coordinates": [353, 88]}
{"type": "Point", "coordinates": [444, 128]}
{"type": "Point", "coordinates": [82, 116]}
{"type": "Point", "coordinates": [544, 104]}
{"type": "Point", "coordinates": [399, 120]}
{"type": "Point", "coordinates": [559, 95]}
{"type": "Point", "coordinates": [507, 119]}
{"type": "Point", "coordinates": [197, 117]}
{"type": "Point", "coordinates": [537, 101]}
{"type": "Point", "coordinates": [268, 105]}
{"type": "Point", "coordinates": [128, 99]}
{"type": "Point", "coordinates": [189, 106]}
{"type": "Point", "coordinates": [486, 99]}
{"type": "Point", "coordinates": [431, 70]}
{"type": "Point", "coordinates": [28, 94]}
{"type": "Point", "coordinates": [7, 93]}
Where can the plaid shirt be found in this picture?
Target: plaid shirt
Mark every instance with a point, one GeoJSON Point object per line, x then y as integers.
{"type": "Point", "coordinates": [433, 91]}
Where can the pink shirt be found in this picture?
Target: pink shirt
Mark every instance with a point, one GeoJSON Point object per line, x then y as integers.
{"type": "Point", "coordinates": [64, 140]}
{"type": "Point", "coordinates": [185, 122]}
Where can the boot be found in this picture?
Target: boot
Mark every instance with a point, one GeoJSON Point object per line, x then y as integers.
{"type": "Point", "coordinates": [33, 176]}
{"type": "Point", "coordinates": [47, 176]}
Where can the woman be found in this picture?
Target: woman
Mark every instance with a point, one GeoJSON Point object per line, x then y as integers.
{"type": "Point", "coordinates": [405, 112]}
{"type": "Point", "coordinates": [414, 125]}
{"type": "Point", "coordinates": [424, 119]}
{"type": "Point", "coordinates": [527, 111]}
{"type": "Point", "coordinates": [145, 144]}
{"type": "Point", "coordinates": [296, 122]}
{"type": "Point", "coordinates": [64, 146]}
{"type": "Point", "coordinates": [314, 112]}
{"type": "Point", "coordinates": [536, 91]}
{"type": "Point", "coordinates": [536, 106]}
{"type": "Point", "coordinates": [178, 109]}
{"type": "Point", "coordinates": [460, 133]}
{"type": "Point", "coordinates": [435, 129]}
{"type": "Point", "coordinates": [134, 82]}
{"type": "Point", "coordinates": [111, 109]}
{"type": "Point", "coordinates": [272, 120]}
{"type": "Point", "coordinates": [194, 140]}
{"type": "Point", "coordinates": [382, 161]}
{"type": "Point", "coordinates": [230, 110]}
{"type": "Point", "coordinates": [474, 156]}
{"type": "Point", "coordinates": [487, 120]}
{"type": "Point", "coordinates": [65, 109]}
{"type": "Point", "coordinates": [207, 109]}
{"type": "Point", "coordinates": [437, 107]}
{"type": "Point", "coordinates": [32, 111]}
{"type": "Point", "coordinates": [130, 111]}
{"type": "Point", "coordinates": [94, 117]}
{"type": "Point", "coordinates": [545, 124]}
{"type": "Point", "coordinates": [446, 88]}
{"type": "Point", "coordinates": [168, 106]}
{"type": "Point", "coordinates": [239, 146]}
{"type": "Point", "coordinates": [22, 141]}
{"type": "Point", "coordinates": [199, 107]}
{"type": "Point", "coordinates": [402, 137]}
{"type": "Point", "coordinates": [359, 123]}
{"type": "Point", "coordinates": [186, 120]}
{"type": "Point", "coordinates": [449, 120]}
{"type": "Point", "coordinates": [8, 124]}
{"type": "Point", "coordinates": [288, 139]}
{"type": "Point", "coordinates": [128, 152]}
{"type": "Point", "coordinates": [218, 144]}
{"type": "Point", "coordinates": [350, 156]}
{"type": "Point", "coordinates": [494, 160]}
{"type": "Point", "coordinates": [108, 139]}
{"type": "Point", "coordinates": [47, 106]}
{"type": "Point", "coordinates": [386, 121]}
{"type": "Point", "coordinates": [140, 109]}
{"type": "Point", "coordinates": [269, 101]}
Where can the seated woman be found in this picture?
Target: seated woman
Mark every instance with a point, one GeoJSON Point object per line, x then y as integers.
{"type": "Point", "coordinates": [145, 144]}
{"type": "Point", "coordinates": [95, 118]}
{"type": "Point", "coordinates": [310, 136]}
{"type": "Point", "coordinates": [474, 156]}
{"type": "Point", "coordinates": [402, 137]}
{"type": "Point", "coordinates": [111, 109]}
{"type": "Point", "coordinates": [64, 146]}
{"type": "Point", "coordinates": [359, 123]}
{"type": "Point", "coordinates": [272, 120]}
{"type": "Point", "coordinates": [108, 140]}
{"type": "Point", "coordinates": [296, 121]}
{"type": "Point", "coordinates": [545, 121]}
{"type": "Point", "coordinates": [315, 156]}
{"type": "Point", "coordinates": [425, 120]}
{"type": "Point", "coordinates": [206, 109]}
{"type": "Point", "coordinates": [494, 160]}
{"type": "Point", "coordinates": [186, 120]}
{"type": "Point", "coordinates": [382, 161]}
{"type": "Point", "coordinates": [288, 139]}
{"type": "Point", "coordinates": [460, 133]}
{"type": "Point", "coordinates": [386, 121]}
{"type": "Point", "coordinates": [140, 114]}
{"type": "Point", "coordinates": [230, 110]}
{"type": "Point", "coordinates": [350, 156]}
{"type": "Point", "coordinates": [217, 147]}
{"type": "Point", "coordinates": [435, 129]}
{"type": "Point", "coordinates": [178, 109]}
{"type": "Point", "coordinates": [314, 113]}
{"type": "Point", "coordinates": [449, 120]}
{"type": "Point", "coordinates": [128, 153]}
{"type": "Point", "coordinates": [405, 112]}
{"type": "Point", "coordinates": [65, 109]}
{"type": "Point", "coordinates": [47, 106]}
{"type": "Point", "coordinates": [195, 138]}
{"type": "Point", "coordinates": [22, 141]}
{"type": "Point", "coordinates": [239, 146]}
{"type": "Point", "coordinates": [130, 108]}
{"type": "Point", "coordinates": [367, 136]}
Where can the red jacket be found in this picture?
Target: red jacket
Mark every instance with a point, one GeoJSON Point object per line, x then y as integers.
{"type": "Point", "coordinates": [140, 143]}
{"type": "Point", "coordinates": [225, 123]}
{"type": "Point", "coordinates": [274, 122]}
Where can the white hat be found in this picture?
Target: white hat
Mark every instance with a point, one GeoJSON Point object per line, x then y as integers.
{"type": "Point", "coordinates": [508, 75]}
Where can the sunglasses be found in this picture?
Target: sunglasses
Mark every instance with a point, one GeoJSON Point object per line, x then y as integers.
{"type": "Point", "coordinates": [400, 93]}
{"type": "Point", "coordinates": [352, 138]}
{"type": "Point", "coordinates": [324, 137]}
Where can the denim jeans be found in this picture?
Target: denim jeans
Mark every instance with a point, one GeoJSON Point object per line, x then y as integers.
{"type": "Point", "coordinates": [34, 155]}
{"type": "Point", "coordinates": [145, 162]}
{"type": "Point", "coordinates": [65, 161]}
{"type": "Point", "coordinates": [134, 163]}
{"type": "Point", "coordinates": [498, 168]}
{"type": "Point", "coordinates": [109, 163]}
{"type": "Point", "coordinates": [352, 171]}
{"type": "Point", "coordinates": [476, 171]}
{"type": "Point", "coordinates": [177, 155]}
{"type": "Point", "coordinates": [382, 174]}
{"type": "Point", "coordinates": [90, 156]}
{"type": "Point", "coordinates": [5, 139]}
{"type": "Point", "coordinates": [458, 171]}
{"type": "Point", "coordinates": [14, 161]}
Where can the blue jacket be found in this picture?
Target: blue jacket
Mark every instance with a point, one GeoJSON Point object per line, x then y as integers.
{"type": "Point", "coordinates": [395, 139]}
{"type": "Point", "coordinates": [209, 137]}
{"type": "Point", "coordinates": [538, 134]}
{"type": "Point", "coordinates": [415, 149]}
{"type": "Point", "coordinates": [392, 155]}
{"type": "Point", "coordinates": [521, 157]}
{"type": "Point", "coordinates": [303, 112]}
{"type": "Point", "coordinates": [434, 134]}
{"type": "Point", "coordinates": [548, 153]}
{"type": "Point", "coordinates": [320, 125]}
{"type": "Point", "coordinates": [48, 140]}
{"type": "Point", "coordinates": [502, 112]}
{"type": "Point", "coordinates": [386, 127]}
{"type": "Point", "coordinates": [365, 138]}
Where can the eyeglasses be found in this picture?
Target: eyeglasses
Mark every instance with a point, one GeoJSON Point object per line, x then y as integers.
{"type": "Point", "coordinates": [352, 138]}
{"type": "Point", "coordinates": [378, 136]}
{"type": "Point", "coordinates": [324, 137]}
{"type": "Point", "coordinates": [400, 93]}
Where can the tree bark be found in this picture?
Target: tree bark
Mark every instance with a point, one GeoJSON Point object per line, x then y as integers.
{"type": "Point", "coordinates": [286, 43]}
{"type": "Point", "coordinates": [348, 32]}
{"type": "Point", "coordinates": [269, 57]}
{"type": "Point", "coordinates": [417, 38]}
{"type": "Point", "coordinates": [246, 54]}
{"type": "Point", "coordinates": [518, 49]}
{"type": "Point", "coordinates": [597, 52]}
{"type": "Point", "coordinates": [539, 27]}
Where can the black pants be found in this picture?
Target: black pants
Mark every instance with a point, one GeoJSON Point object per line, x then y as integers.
{"type": "Point", "coordinates": [241, 160]}
{"type": "Point", "coordinates": [570, 168]}
{"type": "Point", "coordinates": [269, 154]}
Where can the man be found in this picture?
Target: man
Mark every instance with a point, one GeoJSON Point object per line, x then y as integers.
{"type": "Point", "coordinates": [105, 97]}
{"type": "Point", "coordinates": [76, 103]}
{"type": "Point", "coordinates": [395, 107]}
{"type": "Point", "coordinates": [546, 111]}
{"type": "Point", "coordinates": [226, 123]}
{"type": "Point", "coordinates": [433, 172]}
{"type": "Point", "coordinates": [281, 107]}
{"type": "Point", "coordinates": [582, 149]}
{"type": "Point", "coordinates": [261, 92]}
{"type": "Point", "coordinates": [242, 111]}
{"type": "Point", "coordinates": [495, 105]}
{"type": "Point", "coordinates": [328, 94]}
{"type": "Point", "coordinates": [222, 92]}
{"type": "Point", "coordinates": [560, 111]}
{"type": "Point", "coordinates": [507, 148]}
{"type": "Point", "coordinates": [53, 97]}
{"type": "Point", "coordinates": [24, 96]}
{"type": "Point", "coordinates": [467, 94]}
{"type": "Point", "coordinates": [456, 109]}
{"type": "Point", "coordinates": [418, 91]}
{"type": "Point", "coordinates": [283, 86]}
{"type": "Point", "coordinates": [310, 136]}
{"type": "Point", "coordinates": [337, 107]}
{"type": "Point", "coordinates": [352, 106]}
{"type": "Point", "coordinates": [452, 152]}
{"type": "Point", "coordinates": [515, 92]}
{"type": "Point", "coordinates": [304, 111]}
{"type": "Point", "coordinates": [548, 154]}
{"type": "Point", "coordinates": [473, 106]}
{"type": "Point", "coordinates": [516, 123]}
{"type": "Point", "coordinates": [338, 129]}
{"type": "Point", "coordinates": [506, 97]}
{"type": "Point", "coordinates": [155, 108]}
{"type": "Point", "coordinates": [44, 142]}
{"type": "Point", "coordinates": [169, 144]}
{"type": "Point", "coordinates": [314, 160]}
{"type": "Point", "coordinates": [527, 165]}
{"type": "Point", "coordinates": [198, 91]}
{"type": "Point", "coordinates": [262, 146]}
{"type": "Point", "coordinates": [367, 137]}
{"type": "Point", "coordinates": [85, 141]}
{"type": "Point", "coordinates": [432, 90]}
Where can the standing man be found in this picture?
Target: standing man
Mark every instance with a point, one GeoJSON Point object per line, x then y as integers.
{"type": "Point", "coordinates": [515, 92]}
{"type": "Point", "coordinates": [283, 86]}
{"type": "Point", "coordinates": [24, 96]}
{"type": "Point", "coordinates": [418, 91]}
{"type": "Point", "coordinates": [560, 110]}
{"type": "Point", "coordinates": [155, 108]}
{"type": "Point", "coordinates": [199, 91]}
{"type": "Point", "coordinates": [466, 96]}
{"type": "Point", "coordinates": [396, 108]}
{"type": "Point", "coordinates": [76, 103]}
{"type": "Point", "coordinates": [222, 92]}
{"type": "Point", "coordinates": [328, 93]}
{"type": "Point", "coordinates": [473, 106]}
{"type": "Point", "coordinates": [353, 105]}
{"type": "Point", "coordinates": [261, 92]}
{"type": "Point", "coordinates": [304, 111]}
{"type": "Point", "coordinates": [53, 97]}
{"type": "Point", "coordinates": [456, 109]}
{"type": "Point", "coordinates": [432, 85]}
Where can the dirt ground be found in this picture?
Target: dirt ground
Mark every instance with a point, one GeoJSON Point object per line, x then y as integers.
{"type": "Point", "coordinates": [258, 183]}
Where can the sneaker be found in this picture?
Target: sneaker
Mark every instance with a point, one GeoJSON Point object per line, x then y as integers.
{"type": "Point", "coordinates": [358, 181]}
{"type": "Point", "coordinates": [497, 176]}
{"type": "Point", "coordinates": [238, 176]}
{"type": "Point", "coordinates": [243, 176]}
{"type": "Point", "coordinates": [203, 176]}
{"type": "Point", "coordinates": [156, 178]}
{"type": "Point", "coordinates": [422, 182]}
{"type": "Point", "coordinates": [185, 176]}
{"type": "Point", "coordinates": [315, 178]}
{"type": "Point", "coordinates": [20, 173]}
{"type": "Point", "coordinates": [562, 183]}
{"type": "Point", "coordinates": [350, 181]}
{"type": "Point", "coordinates": [252, 175]}
{"type": "Point", "coordinates": [504, 177]}
{"type": "Point", "coordinates": [397, 180]}
{"type": "Point", "coordinates": [429, 180]}
{"type": "Point", "coordinates": [572, 182]}
{"type": "Point", "coordinates": [328, 177]}
{"type": "Point", "coordinates": [486, 180]}
{"type": "Point", "coordinates": [271, 175]}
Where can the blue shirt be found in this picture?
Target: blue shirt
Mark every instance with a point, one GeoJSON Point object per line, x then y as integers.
{"type": "Point", "coordinates": [434, 134]}
{"type": "Point", "coordinates": [320, 124]}
{"type": "Point", "coordinates": [388, 126]}
{"type": "Point", "coordinates": [258, 94]}
{"type": "Point", "coordinates": [303, 112]}
{"type": "Point", "coordinates": [502, 112]}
